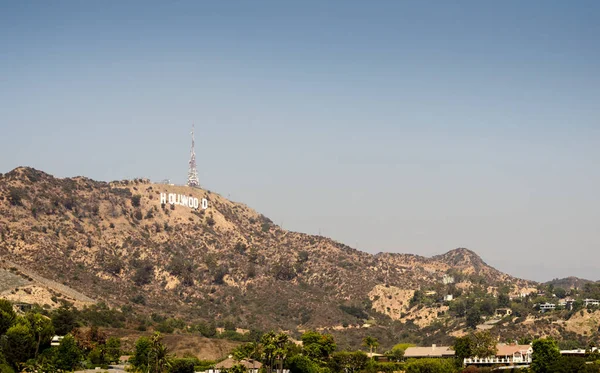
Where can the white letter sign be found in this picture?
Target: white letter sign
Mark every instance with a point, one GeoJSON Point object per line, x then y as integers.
{"type": "Point", "coordinates": [183, 200]}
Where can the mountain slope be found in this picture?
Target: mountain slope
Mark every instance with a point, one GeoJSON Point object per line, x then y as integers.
{"type": "Point", "coordinates": [117, 243]}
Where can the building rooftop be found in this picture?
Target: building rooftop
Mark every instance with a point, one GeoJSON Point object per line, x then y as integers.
{"type": "Point", "coordinates": [432, 351]}
{"type": "Point", "coordinates": [509, 350]}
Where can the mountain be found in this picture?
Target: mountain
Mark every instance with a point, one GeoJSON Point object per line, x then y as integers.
{"type": "Point", "coordinates": [119, 243]}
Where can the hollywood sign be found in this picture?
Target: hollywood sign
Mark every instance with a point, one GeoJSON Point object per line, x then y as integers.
{"type": "Point", "coordinates": [183, 200]}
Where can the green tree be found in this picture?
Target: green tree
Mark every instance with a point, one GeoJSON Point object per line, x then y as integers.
{"type": "Point", "coordinates": [113, 349]}
{"type": "Point", "coordinates": [182, 366]}
{"type": "Point", "coordinates": [371, 343]}
{"type": "Point", "coordinates": [349, 362]}
{"type": "Point", "coordinates": [570, 364]}
{"type": "Point", "coordinates": [281, 353]}
{"type": "Point", "coordinates": [473, 318]}
{"type": "Point", "coordinates": [143, 346]}
{"type": "Point", "coordinates": [488, 306]}
{"type": "Point", "coordinates": [42, 329]}
{"type": "Point", "coordinates": [7, 315]}
{"type": "Point", "coordinates": [560, 293]}
{"type": "Point", "coordinates": [63, 320]}
{"type": "Point", "coordinates": [302, 364]}
{"type": "Point", "coordinates": [463, 348]}
{"type": "Point", "coordinates": [503, 300]}
{"type": "Point", "coordinates": [97, 357]}
{"type": "Point", "coordinates": [317, 346]}
{"type": "Point", "coordinates": [395, 354]}
{"type": "Point", "coordinates": [269, 347]}
{"type": "Point", "coordinates": [159, 359]}
{"type": "Point", "coordinates": [545, 355]}
{"type": "Point", "coordinates": [483, 344]}
{"type": "Point", "coordinates": [207, 330]}
{"type": "Point", "coordinates": [18, 343]}
{"type": "Point", "coordinates": [68, 355]}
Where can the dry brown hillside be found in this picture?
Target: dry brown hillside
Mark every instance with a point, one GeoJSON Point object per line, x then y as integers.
{"type": "Point", "coordinates": [117, 243]}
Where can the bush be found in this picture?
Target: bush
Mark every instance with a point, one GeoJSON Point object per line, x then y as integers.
{"type": "Point", "coordinates": [143, 275]}
{"type": "Point", "coordinates": [207, 330]}
{"type": "Point", "coordinates": [182, 365]}
{"type": "Point", "coordinates": [430, 365]}
{"type": "Point", "coordinates": [16, 196]}
{"type": "Point", "coordinates": [5, 368]}
{"type": "Point", "coordinates": [138, 299]}
{"type": "Point", "coordinates": [302, 364]}
{"type": "Point", "coordinates": [219, 275]}
{"type": "Point", "coordinates": [135, 200]}
{"type": "Point", "coordinates": [354, 311]}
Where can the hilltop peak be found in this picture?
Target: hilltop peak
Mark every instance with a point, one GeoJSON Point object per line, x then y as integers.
{"type": "Point", "coordinates": [30, 173]}
{"type": "Point", "coordinates": [462, 253]}
{"type": "Point", "coordinates": [463, 258]}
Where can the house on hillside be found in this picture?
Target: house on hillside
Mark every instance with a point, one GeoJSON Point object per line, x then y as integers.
{"type": "Point", "coordinates": [577, 352]}
{"type": "Point", "coordinates": [252, 366]}
{"type": "Point", "coordinates": [566, 303]}
{"type": "Point", "coordinates": [547, 307]}
{"type": "Point", "coordinates": [512, 354]}
{"type": "Point", "coordinates": [433, 351]}
{"type": "Point", "coordinates": [501, 312]}
{"type": "Point", "coordinates": [591, 302]}
{"type": "Point", "coordinates": [124, 359]}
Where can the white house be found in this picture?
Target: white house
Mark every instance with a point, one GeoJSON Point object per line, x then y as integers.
{"type": "Point", "coordinates": [56, 340]}
{"type": "Point", "coordinates": [591, 302]}
{"type": "Point", "coordinates": [547, 307]}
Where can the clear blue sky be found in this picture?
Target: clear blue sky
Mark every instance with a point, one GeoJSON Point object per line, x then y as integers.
{"type": "Point", "coordinates": [401, 126]}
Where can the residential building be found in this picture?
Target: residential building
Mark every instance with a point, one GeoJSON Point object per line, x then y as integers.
{"type": "Point", "coordinates": [252, 366]}
{"type": "Point", "coordinates": [591, 302]}
{"type": "Point", "coordinates": [503, 312]}
{"type": "Point", "coordinates": [547, 307]}
{"type": "Point", "coordinates": [566, 303]}
{"type": "Point", "coordinates": [577, 352]}
{"type": "Point", "coordinates": [433, 351]}
{"type": "Point", "coordinates": [506, 354]}
{"type": "Point", "coordinates": [124, 359]}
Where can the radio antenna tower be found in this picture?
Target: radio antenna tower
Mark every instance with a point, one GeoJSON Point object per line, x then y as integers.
{"type": "Point", "coordinates": [193, 172]}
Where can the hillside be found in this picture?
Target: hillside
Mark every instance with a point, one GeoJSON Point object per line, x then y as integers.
{"type": "Point", "coordinates": [117, 243]}
{"type": "Point", "coordinates": [569, 282]}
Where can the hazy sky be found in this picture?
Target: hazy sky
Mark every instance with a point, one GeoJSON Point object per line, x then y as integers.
{"type": "Point", "coordinates": [401, 126]}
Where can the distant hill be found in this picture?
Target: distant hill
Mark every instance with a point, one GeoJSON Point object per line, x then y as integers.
{"type": "Point", "coordinates": [569, 282]}
{"type": "Point", "coordinates": [119, 243]}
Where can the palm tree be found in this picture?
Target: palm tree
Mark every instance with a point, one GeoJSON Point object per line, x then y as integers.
{"type": "Point", "coordinates": [160, 354]}
{"type": "Point", "coordinates": [281, 340]}
{"type": "Point", "coordinates": [371, 343]}
{"type": "Point", "coordinates": [268, 350]}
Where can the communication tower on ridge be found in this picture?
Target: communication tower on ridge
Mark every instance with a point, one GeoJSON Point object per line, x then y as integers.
{"type": "Point", "coordinates": [192, 180]}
